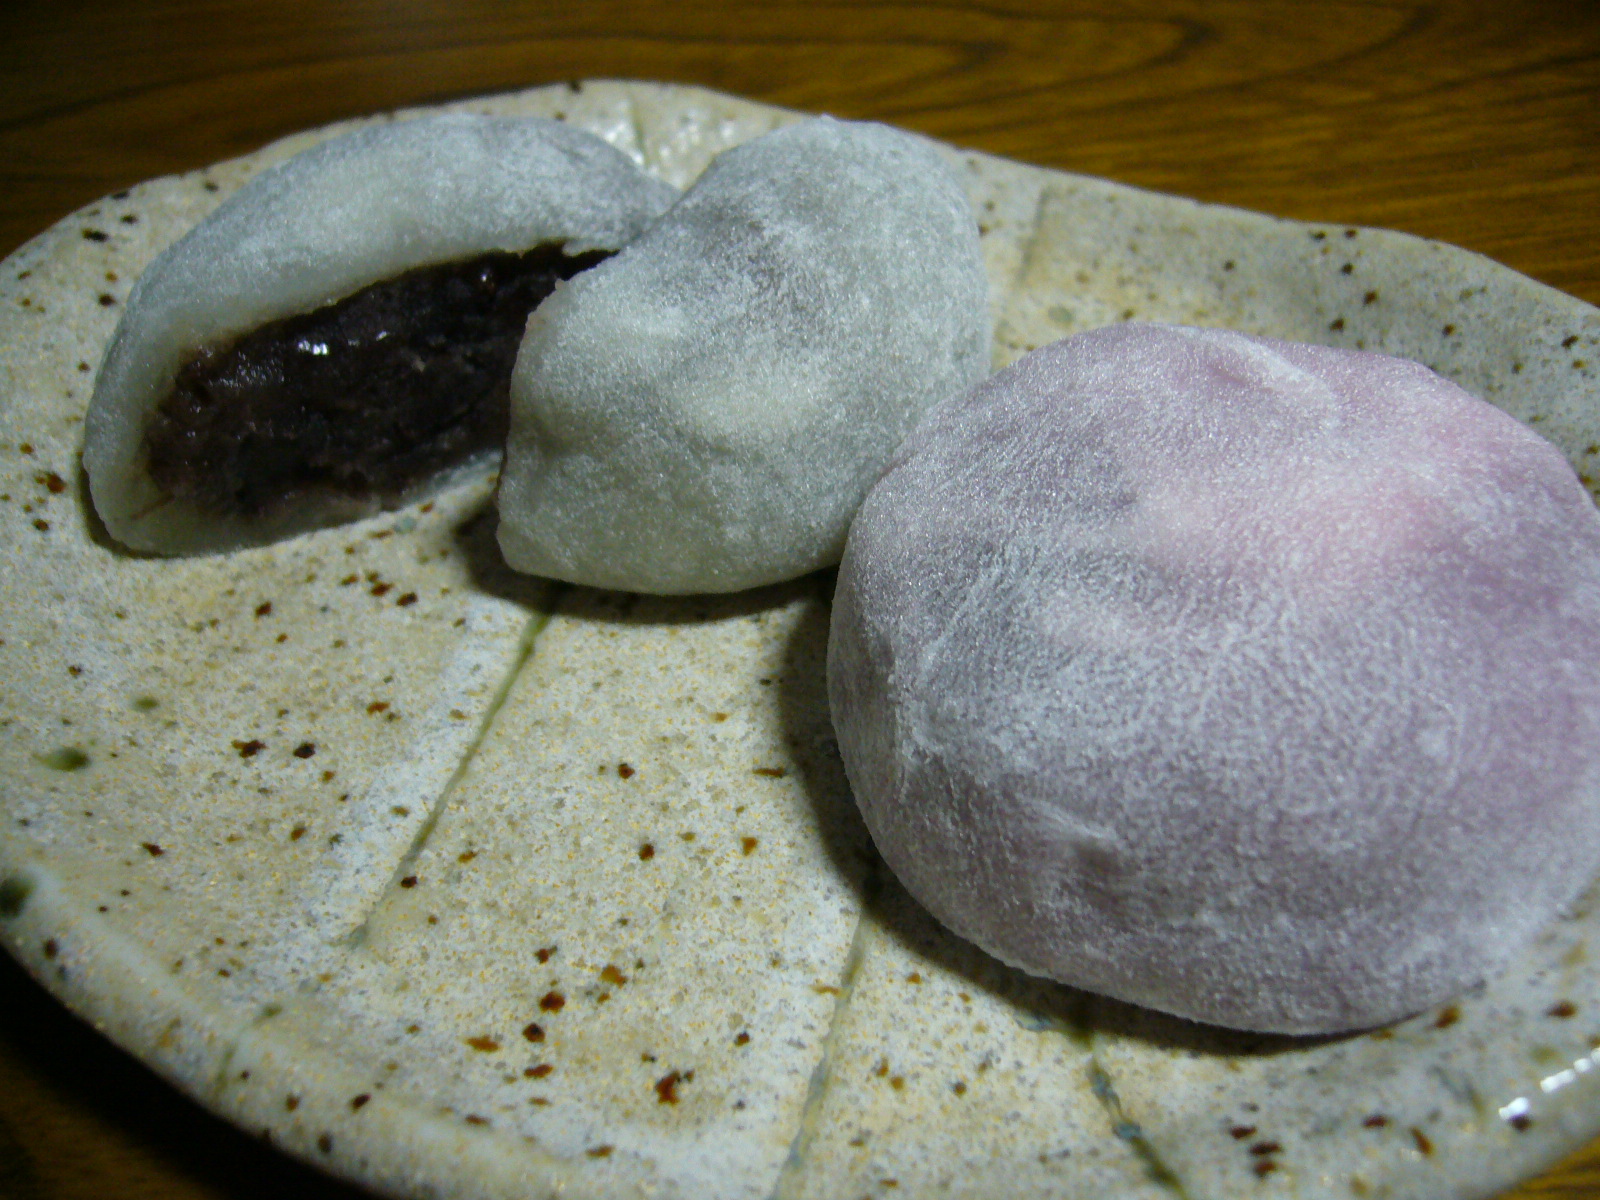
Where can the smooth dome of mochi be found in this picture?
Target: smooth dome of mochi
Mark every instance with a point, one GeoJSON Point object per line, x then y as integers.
{"type": "Point", "coordinates": [1248, 681]}
{"type": "Point", "coordinates": [704, 411]}
{"type": "Point", "coordinates": [348, 212]}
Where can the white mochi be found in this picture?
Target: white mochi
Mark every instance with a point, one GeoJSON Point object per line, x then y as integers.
{"type": "Point", "coordinates": [704, 411]}
{"type": "Point", "coordinates": [334, 219]}
{"type": "Point", "coordinates": [1254, 682]}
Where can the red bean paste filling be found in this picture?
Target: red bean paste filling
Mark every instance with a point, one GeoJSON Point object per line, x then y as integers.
{"type": "Point", "coordinates": [366, 396]}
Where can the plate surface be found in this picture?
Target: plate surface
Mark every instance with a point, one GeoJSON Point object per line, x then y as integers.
{"type": "Point", "coordinates": [464, 884]}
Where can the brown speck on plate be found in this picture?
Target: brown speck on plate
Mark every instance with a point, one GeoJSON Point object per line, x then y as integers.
{"type": "Point", "coordinates": [667, 1086]}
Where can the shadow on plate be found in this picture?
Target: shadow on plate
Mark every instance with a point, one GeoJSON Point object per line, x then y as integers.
{"type": "Point", "coordinates": [79, 1118]}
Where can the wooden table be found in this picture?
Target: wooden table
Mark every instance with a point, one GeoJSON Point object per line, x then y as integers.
{"type": "Point", "coordinates": [1473, 121]}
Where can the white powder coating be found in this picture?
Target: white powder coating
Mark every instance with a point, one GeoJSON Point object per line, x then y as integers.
{"type": "Point", "coordinates": [704, 411]}
{"type": "Point", "coordinates": [1250, 681]}
{"type": "Point", "coordinates": [345, 214]}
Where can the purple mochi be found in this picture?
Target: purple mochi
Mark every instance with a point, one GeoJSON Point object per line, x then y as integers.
{"type": "Point", "coordinates": [1249, 681]}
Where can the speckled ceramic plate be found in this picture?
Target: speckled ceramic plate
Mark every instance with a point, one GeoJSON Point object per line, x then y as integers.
{"type": "Point", "coordinates": [465, 885]}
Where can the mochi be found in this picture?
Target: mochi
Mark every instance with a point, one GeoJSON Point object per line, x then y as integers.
{"type": "Point", "coordinates": [704, 411]}
{"type": "Point", "coordinates": [1248, 681]}
{"type": "Point", "coordinates": [282, 365]}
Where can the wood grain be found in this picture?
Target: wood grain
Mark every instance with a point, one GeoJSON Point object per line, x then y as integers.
{"type": "Point", "coordinates": [1473, 121]}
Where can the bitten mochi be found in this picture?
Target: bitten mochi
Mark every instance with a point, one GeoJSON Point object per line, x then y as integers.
{"type": "Point", "coordinates": [704, 411]}
{"type": "Point", "coordinates": [1249, 681]}
{"type": "Point", "coordinates": [378, 206]}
